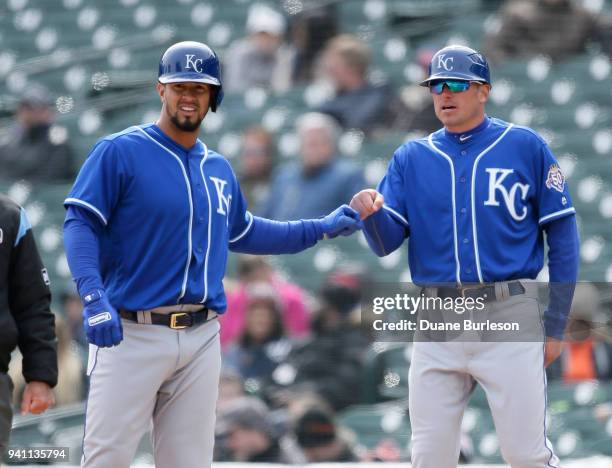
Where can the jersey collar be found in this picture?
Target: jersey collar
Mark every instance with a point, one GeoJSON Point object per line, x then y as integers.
{"type": "Point", "coordinates": [159, 135]}
{"type": "Point", "coordinates": [469, 136]}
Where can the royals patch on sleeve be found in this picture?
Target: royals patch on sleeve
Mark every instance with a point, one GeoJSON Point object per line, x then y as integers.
{"type": "Point", "coordinates": [555, 179]}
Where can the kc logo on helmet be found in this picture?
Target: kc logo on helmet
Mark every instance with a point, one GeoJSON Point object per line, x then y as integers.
{"type": "Point", "coordinates": [446, 63]}
{"type": "Point", "coordinates": [193, 64]}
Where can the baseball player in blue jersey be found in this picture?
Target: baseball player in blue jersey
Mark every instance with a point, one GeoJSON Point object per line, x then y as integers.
{"type": "Point", "coordinates": [149, 222]}
{"type": "Point", "coordinates": [474, 200]}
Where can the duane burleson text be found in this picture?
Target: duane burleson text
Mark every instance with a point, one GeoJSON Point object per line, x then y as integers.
{"type": "Point", "coordinates": [426, 325]}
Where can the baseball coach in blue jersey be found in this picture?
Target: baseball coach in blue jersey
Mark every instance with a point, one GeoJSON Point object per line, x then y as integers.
{"type": "Point", "coordinates": [149, 223]}
{"type": "Point", "coordinates": [474, 200]}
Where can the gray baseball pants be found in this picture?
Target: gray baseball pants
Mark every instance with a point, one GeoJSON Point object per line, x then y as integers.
{"type": "Point", "coordinates": [159, 375]}
{"type": "Point", "coordinates": [442, 376]}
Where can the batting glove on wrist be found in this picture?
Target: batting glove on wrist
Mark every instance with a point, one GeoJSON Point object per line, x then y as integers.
{"type": "Point", "coordinates": [343, 221]}
{"type": "Point", "coordinates": [101, 321]}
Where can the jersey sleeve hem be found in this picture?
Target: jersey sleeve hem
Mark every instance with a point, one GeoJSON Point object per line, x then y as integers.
{"type": "Point", "coordinates": [556, 215]}
{"type": "Point", "coordinates": [89, 206]}
{"type": "Point", "coordinates": [396, 215]}
{"type": "Point", "coordinates": [243, 233]}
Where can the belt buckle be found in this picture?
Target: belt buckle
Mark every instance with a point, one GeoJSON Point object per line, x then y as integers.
{"type": "Point", "coordinates": [173, 318]}
{"type": "Point", "coordinates": [467, 288]}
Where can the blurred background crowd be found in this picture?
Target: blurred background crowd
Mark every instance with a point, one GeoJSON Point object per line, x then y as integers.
{"type": "Point", "coordinates": [319, 93]}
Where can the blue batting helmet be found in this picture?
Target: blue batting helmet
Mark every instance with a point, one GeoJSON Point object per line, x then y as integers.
{"type": "Point", "coordinates": [457, 62]}
{"type": "Point", "coordinates": [195, 62]}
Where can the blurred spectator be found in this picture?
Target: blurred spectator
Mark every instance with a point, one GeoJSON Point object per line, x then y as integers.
{"type": "Point", "coordinates": [357, 102]}
{"type": "Point", "coordinates": [332, 360]}
{"type": "Point", "coordinates": [247, 433]}
{"type": "Point", "coordinates": [321, 440]}
{"type": "Point", "coordinates": [555, 28]}
{"type": "Point", "coordinates": [320, 182]}
{"type": "Point", "coordinates": [257, 157]}
{"type": "Point", "coordinates": [261, 59]}
{"type": "Point", "coordinates": [33, 150]}
{"type": "Point", "coordinates": [587, 352]}
{"type": "Point", "coordinates": [262, 344]}
{"type": "Point", "coordinates": [73, 313]}
{"type": "Point", "coordinates": [310, 31]}
{"type": "Point", "coordinates": [253, 269]}
{"type": "Point", "coordinates": [418, 113]}
{"type": "Point", "coordinates": [231, 388]}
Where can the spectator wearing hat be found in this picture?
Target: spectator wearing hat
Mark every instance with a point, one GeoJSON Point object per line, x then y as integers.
{"type": "Point", "coordinates": [34, 149]}
{"type": "Point", "coordinates": [320, 439]}
{"type": "Point", "coordinates": [587, 351]}
{"type": "Point", "coordinates": [261, 59]}
{"type": "Point", "coordinates": [246, 432]}
{"type": "Point", "coordinates": [330, 363]}
{"type": "Point", "coordinates": [253, 269]}
{"type": "Point", "coordinates": [262, 344]}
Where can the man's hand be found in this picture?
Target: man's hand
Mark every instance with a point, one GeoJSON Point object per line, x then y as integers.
{"type": "Point", "coordinates": [343, 221]}
{"type": "Point", "coordinates": [552, 350]}
{"type": "Point", "coordinates": [37, 398]}
{"type": "Point", "coordinates": [367, 202]}
{"type": "Point", "coordinates": [101, 321]}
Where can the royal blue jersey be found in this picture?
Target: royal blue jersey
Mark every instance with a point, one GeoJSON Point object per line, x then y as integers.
{"type": "Point", "coordinates": [475, 203]}
{"type": "Point", "coordinates": [169, 214]}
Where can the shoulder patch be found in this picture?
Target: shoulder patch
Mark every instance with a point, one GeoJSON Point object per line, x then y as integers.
{"type": "Point", "coordinates": [555, 179]}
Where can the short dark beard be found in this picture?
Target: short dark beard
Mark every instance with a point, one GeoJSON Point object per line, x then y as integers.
{"type": "Point", "coordinates": [187, 126]}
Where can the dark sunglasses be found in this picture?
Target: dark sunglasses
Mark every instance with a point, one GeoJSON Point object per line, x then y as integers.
{"type": "Point", "coordinates": [454, 86]}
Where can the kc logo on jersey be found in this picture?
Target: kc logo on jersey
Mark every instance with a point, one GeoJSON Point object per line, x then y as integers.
{"type": "Point", "coordinates": [224, 201]}
{"type": "Point", "coordinates": [446, 63]}
{"type": "Point", "coordinates": [191, 64]}
{"type": "Point", "coordinates": [555, 179]}
{"type": "Point", "coordinates": [496, 179]}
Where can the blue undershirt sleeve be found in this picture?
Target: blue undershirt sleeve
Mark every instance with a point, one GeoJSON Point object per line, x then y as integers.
{"type": "Point", "coordinates": [268, 237]}
{"type": "Point", "coordinates": [383, 232]}
{"type": "Point", "coordinates": [82, 230]}
{"type": "Point", "coordinates": [563, 263]}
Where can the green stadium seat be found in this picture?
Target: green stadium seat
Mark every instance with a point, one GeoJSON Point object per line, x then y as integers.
{"type": "Point", "coordinates": [375, 423]}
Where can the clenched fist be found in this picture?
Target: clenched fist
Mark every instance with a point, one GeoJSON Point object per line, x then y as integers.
{"type": "Point", "coordinates": [367, 202]}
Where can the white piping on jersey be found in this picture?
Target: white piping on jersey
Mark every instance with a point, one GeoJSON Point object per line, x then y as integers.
{"type": "Point", "coordinates": [76, 201]}
{"type": "Point", "coordinates": [246, 229]}
{"type": "Point", "coordinates": [450, 161]}
{"type": "Point", "coordinates": [557, 213]}
{"type": "Point", "coordinates": [189, 242]}
{"type": "Point", "coordinates": [473, 195]}
{"type": "Point", "coordinates": [397, 215]}
{"type": "Point", "coordinates": [209, 225]}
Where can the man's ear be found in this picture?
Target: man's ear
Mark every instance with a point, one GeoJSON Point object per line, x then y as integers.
{"type": "Point", "coordinates": [161, 90]}
{"type": "Point", "coordinates": [483, 93]}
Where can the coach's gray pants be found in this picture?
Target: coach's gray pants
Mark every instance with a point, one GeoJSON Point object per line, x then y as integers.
{"type": "Point", "coordinates": [441, 379]}
{"type": "Point", "coordinates": [169, 376]}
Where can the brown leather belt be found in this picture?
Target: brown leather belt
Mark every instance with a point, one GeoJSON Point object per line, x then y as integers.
{"type": "Point", "coordinates": [486, 291]}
